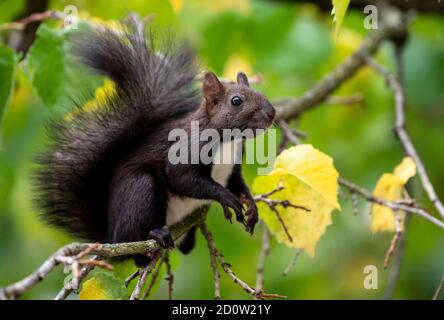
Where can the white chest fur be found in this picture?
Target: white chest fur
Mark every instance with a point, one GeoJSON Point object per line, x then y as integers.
{"type": "Point", "coordinates": [226, 156]}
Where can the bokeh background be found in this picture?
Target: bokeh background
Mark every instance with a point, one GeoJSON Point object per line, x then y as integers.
{"type": "Point", "coordinates": [292, 46]}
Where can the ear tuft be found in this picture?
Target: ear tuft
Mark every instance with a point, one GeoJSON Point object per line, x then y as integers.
{"type": "Point", "coordinates": [212, 87]}
{"type": "Point", "coordinates": [242, 79]}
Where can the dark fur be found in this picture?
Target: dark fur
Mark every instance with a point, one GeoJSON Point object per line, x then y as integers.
{"type": "Point", "coordinates": [105, 177]}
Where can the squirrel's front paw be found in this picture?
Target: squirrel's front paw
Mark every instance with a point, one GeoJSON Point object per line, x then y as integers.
{"type": "Point", "coordinates": [230, 201]}
{"type": "Point", "coordinates": [252, 213]}
{"type": "Point", "coordinates": [163, 236]}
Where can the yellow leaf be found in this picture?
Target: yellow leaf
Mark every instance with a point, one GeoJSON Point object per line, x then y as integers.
{"type": "Point", "coordinates": [338, 12]}
{"type": "Point", "coordinates": [309, 180]}
{"type": "Point", "coordinates": [235, 64]}
{"type": "Point", "coordinates": [390, 187]}
{"type": "Point", "coordinates": [313, 168]}
{"type": "Point", "coordinates": [92, 290]}
{"type": "Point", "coordinates": [405, 170]}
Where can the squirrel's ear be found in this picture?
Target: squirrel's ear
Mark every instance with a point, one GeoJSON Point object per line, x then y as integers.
{"type": "Point", "coordinates": [212, 88]}
{"type": "Point", "coordinates": [242, 79]}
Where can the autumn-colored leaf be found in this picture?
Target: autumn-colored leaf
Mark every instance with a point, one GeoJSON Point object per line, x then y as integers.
{"type": "Point", "coordinates": [309, 180]}
{"type": "Point", "coordinates": [390, 187]}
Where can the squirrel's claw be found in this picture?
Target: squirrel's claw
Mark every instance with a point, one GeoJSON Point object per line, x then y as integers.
{"type": "Point", "coordinates": [252, 214]}
{"type": "Point", "coordinates": [227, 213]}
{"type": "Point", "coordinates": [252, 219]}
{"type": "Point", "coordinates": [163, 236]}
{"type": "Point", "coordinates": [230, 201]}
{"type": "Point", "coordinates": [240, 218]}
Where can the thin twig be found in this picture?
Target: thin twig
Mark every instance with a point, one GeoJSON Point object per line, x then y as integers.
{"type": "Point", "coordinates": [396, 237]}
{"type": "Point", "coordinates": [438, 290]}
{"type": "Point", "coordinates": [257, 294]}
{"type": "Point", "coordinates": [212, 250]}
{"type": "Point", "coordinates": [88, 250]}
{"type": "Point", "coordinates": [281, 221]}
{"type": "Point", "coordinates": [290, 134]}
{"type": "Point", "coordinates": [135, 295]}
{"type": "Point", "coordinates": [100, 264]}
{"type": "Point", "coordinates": [154, 277]}
{"type": "Point", "coordinates": [273, 203]}
{"type": "Point", "coordinates": [131, 277]}
{"type": "Point", "coordinates": [35, 17]}
{"type": "Point", "coordinates": [395, 267]}
{"type": "Point", "coordinates": [169, 277]}
{"type": "Point", "coordinates": [292, 262]}
{"type": "Point", "coordinates": [402, 134]}
{"type": "Point", "coordinates": [265, 251]}
{"type": "Point", "coordinates": [357, 98]}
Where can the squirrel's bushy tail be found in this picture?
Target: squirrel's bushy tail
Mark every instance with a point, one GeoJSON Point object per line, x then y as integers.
{"type": "Point", "coordinates": [151, 86]}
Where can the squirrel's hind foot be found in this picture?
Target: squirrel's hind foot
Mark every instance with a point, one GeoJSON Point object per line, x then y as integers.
{"type": "Point", "coordinates": [163, 236]}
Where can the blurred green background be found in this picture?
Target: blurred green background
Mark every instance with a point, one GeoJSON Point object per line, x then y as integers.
{"type": "Point", "coordinates": [292, 46]}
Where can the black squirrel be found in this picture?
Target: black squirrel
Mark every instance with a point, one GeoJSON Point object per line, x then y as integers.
{"type": "Point", "coordinates": [106, 177]}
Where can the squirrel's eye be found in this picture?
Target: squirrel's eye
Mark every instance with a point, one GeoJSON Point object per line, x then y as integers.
{"type": "Point", "coordinates": [236, 101]}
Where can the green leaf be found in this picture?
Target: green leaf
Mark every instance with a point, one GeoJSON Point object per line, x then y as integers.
{"type": "Point", "coordinates": [6, 181]}
{"type": "Point", "coordinates": [47, 61]}
{"type": "Point", "coordinates": [103, 286]}
{"type": "Point", "coordinates": [7, 65]}
{"type": "Point", "coordinates": [338, 12]}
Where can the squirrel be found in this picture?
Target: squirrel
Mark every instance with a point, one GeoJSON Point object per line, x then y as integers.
{"type": "Point", "coordinates": [106, 177]}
